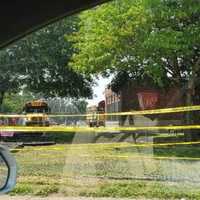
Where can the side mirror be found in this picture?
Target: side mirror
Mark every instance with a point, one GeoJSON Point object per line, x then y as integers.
{"type": "Point", "coordinates": [8, 170]}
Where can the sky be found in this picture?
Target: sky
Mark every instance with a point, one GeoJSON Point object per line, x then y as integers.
{"type": "Point", "coordinates": [98, 91]}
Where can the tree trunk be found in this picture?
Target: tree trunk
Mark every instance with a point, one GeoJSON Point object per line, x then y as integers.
{"type": "Point", "coordinates": [191, 117]}
{"type": "Point", "coordinates": [2, 93]}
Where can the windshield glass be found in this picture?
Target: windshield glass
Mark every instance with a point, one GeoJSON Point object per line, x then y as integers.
{"type": "Point", "coordinates": [36, 109]}
{"type": "Point", "coordinates": [122, 83]}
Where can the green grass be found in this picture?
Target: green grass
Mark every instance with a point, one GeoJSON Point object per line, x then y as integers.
{"type": "Point", "coordinates": [179, 151]}
{"type": "Point", "coordinates": [23, 189]}
{"type": "Point", "coordinates": [145, 189]}
{"type": "Point", "coordinates": [192, 151]}
{"type": "Point", "coordinates": [89, 169]}
{"type": "Point", "coordinates": [35, 189]}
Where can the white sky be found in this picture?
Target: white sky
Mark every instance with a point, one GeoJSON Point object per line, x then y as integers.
{"type": "Point", "coordinates": [98, 91]}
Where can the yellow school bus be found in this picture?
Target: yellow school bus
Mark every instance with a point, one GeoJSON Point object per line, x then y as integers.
{"type": "Point", "coordinates": [36, 113]}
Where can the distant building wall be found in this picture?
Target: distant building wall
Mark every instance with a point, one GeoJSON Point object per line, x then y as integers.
{"type": "Point", "coordinates": [130, 97]}
{"type": "Point", "coordinates": [112, 105]}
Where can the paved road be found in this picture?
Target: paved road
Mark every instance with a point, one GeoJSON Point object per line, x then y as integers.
{"type": "Point", "coordinates": [58, 198]}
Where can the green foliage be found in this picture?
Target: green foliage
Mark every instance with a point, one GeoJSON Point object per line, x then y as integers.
{"type": "Point", "coordinates": [39, 63]}
{"type": "Point", "coordinates": [101, 39]}
{"type": "Point", "coordinates": [22, 189]}
{"type": "Point", "coordinates": [154, 38]}
{"type": "Point", "coordinates": [66, 105]}
{"type": "Point", "coordinates": [47, 190]}
{"type": "Point", "coordinates": [14, 103]}
{"type": "Point", "coordinates": [81, 105]}
{"type": "Point", "coordinates": [142, 189]}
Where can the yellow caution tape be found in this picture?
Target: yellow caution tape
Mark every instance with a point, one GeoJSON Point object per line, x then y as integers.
{"type": "Point", "coordinates": [115, 156]}
{"type": "Point", "coordinates": [143, 112]}
{"type": "Point", "coordinates": [102, 157]}
{"type": "Point", "coordinates": [119, 157]}
{"type": "Point", "coordinates": [119, 145]}
{"type": "Point", "coordinates": [84, 129]}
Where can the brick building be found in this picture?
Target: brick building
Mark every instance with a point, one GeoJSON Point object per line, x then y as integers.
{"type": "Point", "coordinates": [112, 105]}
{"type": "Point", "coordinates": [132, 97]}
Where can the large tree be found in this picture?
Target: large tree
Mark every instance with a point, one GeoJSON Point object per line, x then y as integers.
{"type": "Point", "coordinates": [10, 77]}
{"type": "Point", "coordinates": [141, 38]}
{"type": "Point", "coordinates": [158, 40]}
{"type": "Point", "coordinates": [39, 63]}
{"type": "Point", "coordinates": [14, 103]}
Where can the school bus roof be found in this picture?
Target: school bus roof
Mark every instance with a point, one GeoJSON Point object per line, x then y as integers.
{"type": "Point", "coordinates": [36, 103]}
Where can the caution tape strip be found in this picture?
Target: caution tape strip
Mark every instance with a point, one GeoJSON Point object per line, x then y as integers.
{"type": "Point", "coordinates": [122, 145]}
{"type": "Point", "coordinates": [143, 112]}
{"type": "Point", "coordinates": [92, 129]}
{"type": "Point", "coordinates": [126, 157]}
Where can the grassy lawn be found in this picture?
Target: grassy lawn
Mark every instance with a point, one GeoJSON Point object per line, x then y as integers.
{"type": "Point", "coordinates": [110, 170]}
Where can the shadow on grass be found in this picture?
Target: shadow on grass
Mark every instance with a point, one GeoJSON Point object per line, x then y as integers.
{"type": "Point", "coordinates": [192, 151]}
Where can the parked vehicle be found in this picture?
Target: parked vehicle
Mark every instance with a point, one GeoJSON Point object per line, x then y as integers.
{"type": "Point", "coordinates": [36, 113]}
{"type": "Point", "coordinates": [95, 117]}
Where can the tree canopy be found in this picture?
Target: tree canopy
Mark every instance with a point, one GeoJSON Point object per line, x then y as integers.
{"type": "Point", "coordinates": [39, 63]}
{"type": "Point", "coordinates": [14, 103]}
{"type": "Point", "coordinates": [141, 38]}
